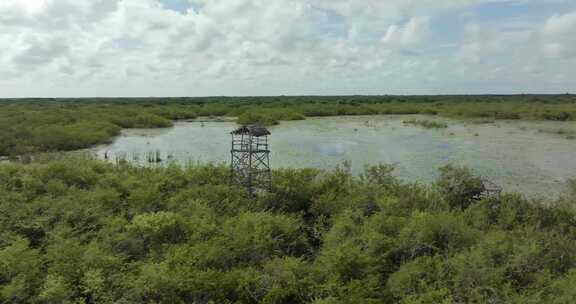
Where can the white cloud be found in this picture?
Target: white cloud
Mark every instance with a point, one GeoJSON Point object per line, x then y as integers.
{"type": "Point", "coordinates": [559, 36]}
{"type": "Point", "coordinates": [229, 47]}
{"type": "Point", "coordinates": [411, 33]}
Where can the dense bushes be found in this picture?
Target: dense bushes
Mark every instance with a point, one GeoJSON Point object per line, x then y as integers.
{"type": "Point", "coordinates": [84, 231]}
{"type": "Point", "coordinates": [256, 118]}
{"type": "Point", "coordinates": [268, 117]}
{"type": "Point", "coordinates": [459, 186]}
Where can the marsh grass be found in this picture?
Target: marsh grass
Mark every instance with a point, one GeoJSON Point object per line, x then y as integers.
{"type": "Point", "coordinates": [268, 117]}
{"type": "Point", "coordinates": [428, 124]}
{"type": "Point", "coordinates": [481, 121]}
{"type": "Point", "coordinates": [566, 133]}
{"type": "Point", "coordinates": [41, 125]}
{"type": "Point", "coordinates": [572, 187]}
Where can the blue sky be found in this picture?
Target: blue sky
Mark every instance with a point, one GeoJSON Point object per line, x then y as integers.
{"type": "Point", "coordinates": [285, 47]}
{"type": "Point", "coordinates": [181, 6]}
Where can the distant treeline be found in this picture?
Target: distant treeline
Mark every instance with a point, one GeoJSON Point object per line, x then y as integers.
{"type": "Point", "coordinates": [53, 124]}
{"type": "Point", "coordinates": [537, 98]}
{"type": "Point", "coordinates": [84, 231]}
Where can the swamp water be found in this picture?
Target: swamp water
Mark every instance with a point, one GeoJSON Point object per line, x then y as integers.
{"type": "Point", "coordinates": [516, 155]}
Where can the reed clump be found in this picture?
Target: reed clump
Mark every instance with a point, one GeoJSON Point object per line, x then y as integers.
{"type": "Point", "coordinates": [428, 124]}
{"type": "Point", "coordinates": [564, 132]}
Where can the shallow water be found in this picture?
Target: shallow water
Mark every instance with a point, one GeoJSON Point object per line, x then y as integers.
{"type": "Point", "coordinates": [513, 154]}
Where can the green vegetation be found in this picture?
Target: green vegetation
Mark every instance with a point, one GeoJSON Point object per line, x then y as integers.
{"type": "Point", "coordinates": [567, 133]}
{"type": "Point", "coordinates": [428, 124]}
{"type": "Point", "coordinates": [85, 231]}
{"type": "Point", "coordinates": [480, 121]}
{"type": "Point", "coordinates": [269, 117]}
{"type": "Point", "coordinates": [572, 187]}
{"type": "Point", "coordinates": [260, 118]}
{"type": "Point", "coordinates": [41, 125]}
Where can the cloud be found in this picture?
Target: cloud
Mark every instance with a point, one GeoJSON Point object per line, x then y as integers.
{"type": "Point", "coordinates": [41, 51]}
{"type": "Point", "coordinates": [230, 47]}
{"type": "Point", "coordinates": [411, 33]}
{"type": "Point", "coordinates": [559, 36]}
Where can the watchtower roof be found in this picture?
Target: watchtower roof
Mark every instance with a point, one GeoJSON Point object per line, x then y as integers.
{"type": "Point", "coordinates": [256, 130]}
{"type": "Point", "coordinates": [490, 186]}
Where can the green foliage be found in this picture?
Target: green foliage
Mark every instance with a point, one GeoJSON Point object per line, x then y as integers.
{"type": "Point", "coordinates": [85, 231]}
{"type": "Point", "coordinates": [268, 116]}
{"type": "Point", "coordinates": [20, 271]}
{"type": "Point", "coordinates": [158, 228]}
{"type": "Point", "coordinates": [459, 186]}
{"type": "Point", "coordinates": [256, 118]}
{"type": "Point", "coordinates": [434, 233]}
{"type": "Point", "coordinates": [287, 280]}
{"type": "Point", "coordinates": [572, 187]}
{"type": "Point", "coordinates": [562, 291]}
{"type": "Point", "coordinates": [420, 281]}
{"type": "Point", "coordinates": [381, 175]}
{"type": "Point", "coordinates": [56, 290]}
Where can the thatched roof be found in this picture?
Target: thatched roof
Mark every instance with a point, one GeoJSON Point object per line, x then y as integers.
{"type": "Point", "coordinates": [490, 186]}
{"type": "Point", "coordinates": [254, 130]}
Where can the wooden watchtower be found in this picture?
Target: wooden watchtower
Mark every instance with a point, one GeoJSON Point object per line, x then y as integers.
{"type": "Point", "coordinates": [491, 189]}
{"type": "Point", "coordinates": [251, 158]}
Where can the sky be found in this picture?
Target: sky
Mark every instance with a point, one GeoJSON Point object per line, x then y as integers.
{"type": "Point", "coordinates": [141, 48]}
